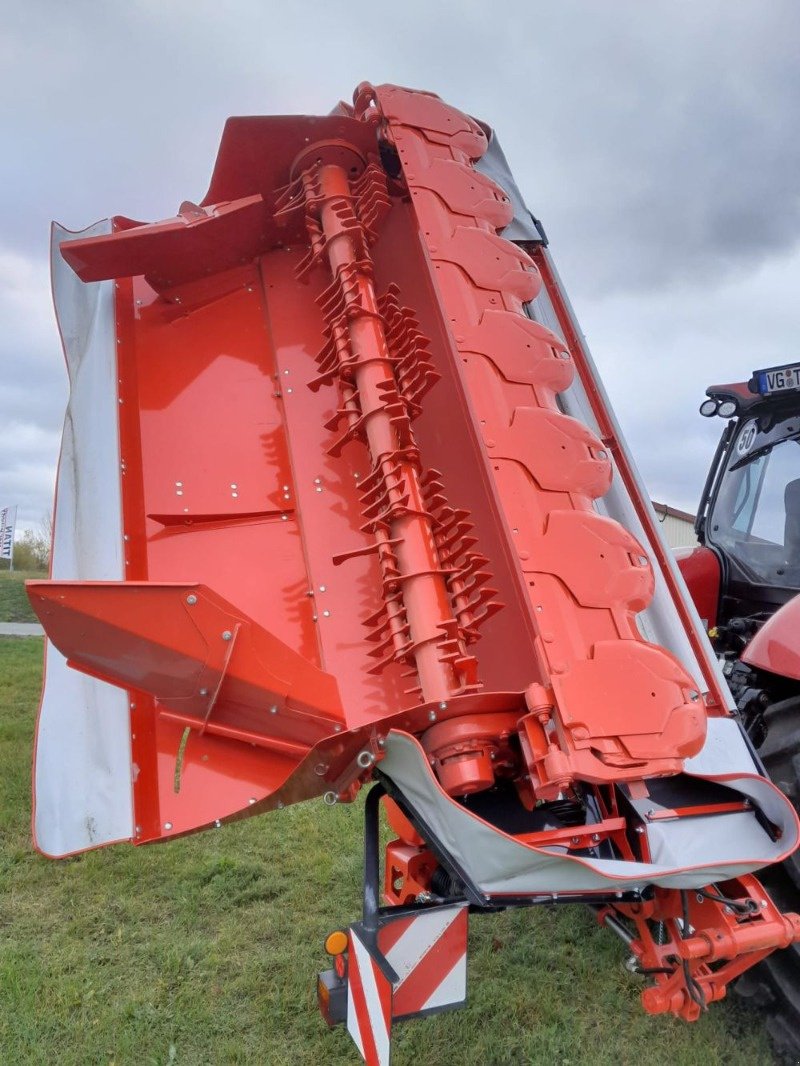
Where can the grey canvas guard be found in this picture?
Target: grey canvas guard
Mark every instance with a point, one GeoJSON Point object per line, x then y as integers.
{"type": "Point", "coordinates": [82, 764]}
{"type": "Point", "coordinates": [687, 853]}
{"type": "Point", "coordinates": [493, 164]}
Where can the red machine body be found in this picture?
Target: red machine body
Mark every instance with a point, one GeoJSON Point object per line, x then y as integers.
{"type": "Point", "coordinates": [775, 647]}
{"type": "Point", "coordinates": [700, 570]}
{"type": "Point", "coordinates": [362, 536]}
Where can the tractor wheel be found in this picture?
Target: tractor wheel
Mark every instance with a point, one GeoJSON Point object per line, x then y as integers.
{"type": "Point", "coordinates": [773, 987]}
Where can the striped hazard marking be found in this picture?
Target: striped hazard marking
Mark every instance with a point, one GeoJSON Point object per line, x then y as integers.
{"type": "Point", "coordinates": [428, 954]}
{"type": "Point", "coordinates": [369, 1004]}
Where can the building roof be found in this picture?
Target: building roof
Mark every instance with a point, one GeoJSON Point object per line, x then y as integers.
{"type": "Point", "coordinates": [663, 509]}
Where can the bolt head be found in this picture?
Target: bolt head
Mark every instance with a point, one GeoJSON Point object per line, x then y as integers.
{"type": "Point", "coordinates": [191, 600]}
{"type": "Point", "coordinates": [227, 634]}
{"type": "Point", "coordinates": [432, 715]}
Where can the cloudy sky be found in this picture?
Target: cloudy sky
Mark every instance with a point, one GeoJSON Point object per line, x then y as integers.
{"type": "Point", "coordinates": [658, 142]}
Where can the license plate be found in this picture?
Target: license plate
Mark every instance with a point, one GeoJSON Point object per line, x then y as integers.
{"type": "Point", "coordinates": [781, 379]}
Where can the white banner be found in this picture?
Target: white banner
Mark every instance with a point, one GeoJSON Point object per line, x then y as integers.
{"type": "Point", "coordinates": [8, 519]}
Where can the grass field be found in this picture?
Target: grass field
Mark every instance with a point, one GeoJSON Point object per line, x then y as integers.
{"type": "Point", "coordinates": [204, 951]}
{"type": "Point", "coordinates": [14, 606]}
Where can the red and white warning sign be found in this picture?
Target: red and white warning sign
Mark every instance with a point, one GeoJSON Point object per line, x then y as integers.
{"type": "Point", "coordinates": [418, 967]}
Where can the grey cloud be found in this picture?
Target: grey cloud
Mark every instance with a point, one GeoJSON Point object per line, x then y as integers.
{"type": "Point", "coordinates": [657, 142]}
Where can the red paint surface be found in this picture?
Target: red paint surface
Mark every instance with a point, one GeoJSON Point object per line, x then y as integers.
{"type": "Point", "coordinates": [776, 646]}
{"type": "Point", "coordinates": [700, 569]}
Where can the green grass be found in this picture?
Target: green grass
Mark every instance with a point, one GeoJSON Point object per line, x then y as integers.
{"type": "Point", "coordinates": [204, 951]}
{"type": "Point", "coordinates": [14, 606]}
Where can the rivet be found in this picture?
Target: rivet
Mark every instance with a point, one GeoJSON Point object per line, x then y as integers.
{"type": "Point", "coordinates": [217, 824]}
{"type": "Point", "coordinates": [321, 769]}
{"type": "Point", "coordinates": [168, 825]}
{"type": "Point", "coordinates": [337, 729]}
{"type": "Point", "coordinates": [326, 614]}
{"type": "Point", "coordinates": [252, 800]}
{"type": "Point", "coordinates": [179, 484]}
{"type": "Point", "coordinates": [234, 485]}
{"type": "Point", "coordinates": [191, 599]}
{"type": "Point", "coordinates": [234, 494]}
{"type": "Point", "coordinates": [317, 480]}
{"type": "Point", "coordinates": [290, 390]}
{"type": "Point", "coordinates": [286, 371]}
{"type": "Point", "coordinates": [280, 805]}
{"type": "Point", "coordinates": [432, 715]}
{"type": "Point", "coordinates": [602, 455]}
{"type": "Point", "coordinates": [442, 706]}
{"type": "Point", "coordinates": [273, 709]}
{"type": "Point", "coordinates": [323, 588]}
{"type": "Point", "coordinates": [226, 635]}
{"type": "Point", "coordinates": [284, 518]}
{"type": "Point", "coordinates": [203, 691]}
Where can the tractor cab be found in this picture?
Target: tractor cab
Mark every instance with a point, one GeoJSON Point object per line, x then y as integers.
{"type": "Point", "coordinates": [748, 521]}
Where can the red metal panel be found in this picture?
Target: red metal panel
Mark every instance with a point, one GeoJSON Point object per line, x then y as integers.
{"type": "Point", "coordinates": [774, 647]}
{"type": "Point", "coordinates": [699, 568]}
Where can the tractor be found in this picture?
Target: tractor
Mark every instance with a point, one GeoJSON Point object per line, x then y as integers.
{"type": "Point", "coordinates": [744, 577]}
